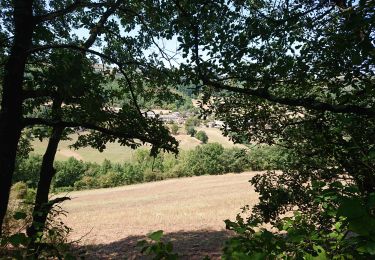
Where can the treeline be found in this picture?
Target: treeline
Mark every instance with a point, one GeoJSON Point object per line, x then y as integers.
{"type": "Point", "coordinates": [212, 159]}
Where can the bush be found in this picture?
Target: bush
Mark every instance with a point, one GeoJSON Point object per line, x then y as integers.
{"type": "Point", "coordinates": [68, 172]}
{"type": "Point", "coordinates": [202, 136]}
{"type": "Point", "coordinates": [192, 121]}
{"type": "Point", "coordinates": [110, 179]}
{"type": "Point", "coordinates": [27, 170]}
{"type": "Point", "coordinates": [190, 130]}
{"type": "Point", "coordinates": [132, 173]}
{"type": "Point", "coordinates": [265, 157]}
{"type": "Point", "coordinates": [205, 159]}
{"type": "Point", "coordinates": [87, 182]}
{"type": "Point", "coordinates": [155, 248]}
{"type": "Point", "coordinates": [20, 204]}
{"type": "Point", "coordinates": [19, 189]}
{"type": "Point", "coordinates": [347, 231]}
{"type": "Point", "coordinates": [174, 129]}
{"type": "Point", "coordinates": [152, 175]}
{"type": "Point", "coordinates": [235, 160]}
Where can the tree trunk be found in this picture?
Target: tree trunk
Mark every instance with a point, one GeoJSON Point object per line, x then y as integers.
{"type": "Point", "coordinates": [42, 207]}
{"type": "Point", "coordinates": [11, 103]}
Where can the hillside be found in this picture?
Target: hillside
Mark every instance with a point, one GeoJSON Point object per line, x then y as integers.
{"type": "Point", "coordinates": [190, 210]}
{"type": "Point", "coordinates": [117, 153]}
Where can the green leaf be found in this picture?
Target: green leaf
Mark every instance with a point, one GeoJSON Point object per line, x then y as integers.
{"type": "Point", "coordinates": [370, 247]}
{"type": "Point", "coordinates": [256, 256]}
{"type": "Point", "coordinates": [321, 254]}
{"type": "Point", "coordinates": [19, 215]}
{"type": "Point", "coordinates": [69, 256]}
{"type": "Point", "coordinates": [18, 239]}
{"type": "Point", "coordinates": [141, 243]}
{"type": "Point", "coordinates": [351, 208]}
{"type": "Point", "coordinates": [360, 226]}
{"type": "Point", "coordinates": [169, 247]}
{"type": "Point", "coordinates": [371, 201]}
{"type": "Point", "coordinates": [156, 236]}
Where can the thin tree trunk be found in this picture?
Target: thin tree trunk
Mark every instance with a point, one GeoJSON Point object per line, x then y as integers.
{"type": "Point", "coordinates": [11, 104]}
{"type": "Point", "coordinates": [41, 207]}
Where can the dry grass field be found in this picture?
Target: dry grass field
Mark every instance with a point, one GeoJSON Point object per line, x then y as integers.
{"type": "Point", "coordinates": [189, 210]}
{"type": "Point", "coordinates": [117, 153]}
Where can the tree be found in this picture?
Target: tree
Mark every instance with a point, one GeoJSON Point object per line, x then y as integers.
{"type": "Point", "coordinates": [298, 75]}
{"type": "Point", "coordinates": [31, 32]}
{"type": "Point", "coordinates": [202, 136]}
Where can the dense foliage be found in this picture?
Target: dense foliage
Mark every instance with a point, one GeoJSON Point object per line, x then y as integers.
{"type": "Point", "coordinates": [202, 136]}
{"type": "Point", "coordinates": [210, 158]}
{"type": "Point", "coordinates": [299, 74]}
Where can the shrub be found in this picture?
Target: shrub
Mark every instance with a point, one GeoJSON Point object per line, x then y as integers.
{"type": "Point", "coordinates": [179, 170]}
{"type": "Point", "coordinates": [19, 190]}
{"type": "Point", "coordinates": [190, 130]}
{"type": "Point", "coordinates": [192, 121]}
{"type": "Point", "coordinates": [110, 179]}
{"type": "Point", "coordinates": [106, 166]}
{"type": "Point", "coordinates": [27, 171]}
{"type": "Point", "coordinates": [86, 182]}
{"type": "Point", "coordinates": [202, 136]}
{"type": "Point", "coordinates": [155, 248]}
{"type": "Point", "coordinates": [205, 159]}
{"type": "Point", "coordinates": [174, 129]}
{"type": "Point", "coordinates": [68, 172]}
{"type": "Point", "coordinates": [51, 242]}
{"type": "Point", "coordinates": [132, 173]}
{"type": "Point", "coordinates": [265, 157]}
{"type": "Point", "coordinates": [235, 160]}
{"type": "Point", "coordinates": [152, 175]}
{"type": "Point", "coordinates": [19, 209]}
{"type": "Point", "coordinates": [346, 232]}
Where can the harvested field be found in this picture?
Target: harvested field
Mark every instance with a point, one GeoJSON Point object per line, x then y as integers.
{"type": "Point", "coordinates": [120, 154]}
{"type": "Point", "coordinates": [189, 210]}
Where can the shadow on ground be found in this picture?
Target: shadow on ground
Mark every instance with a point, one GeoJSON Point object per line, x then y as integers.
{"type": "Point", "coordinates": [188, 244]}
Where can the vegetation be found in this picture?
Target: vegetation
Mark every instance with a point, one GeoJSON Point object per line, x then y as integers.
{"type": "Point", "coordinates": [202, 136]}
{"type": "Point", "coordinates": [174, 129]}
{"type": "Point", "coordinates": [205, 159]}
{"type": "Point", "coordinates": [190, 130]}
{"type": "Point", "coordinates": [294, 74]}
{"type": "Point", "coordinates": [47, 63]}
{"type": "Point", "coordinates": [53, 242]}
{"type": "Point", "coordinates": [157, 248]}
{"type": "Point", "coordinates": [299, 75]}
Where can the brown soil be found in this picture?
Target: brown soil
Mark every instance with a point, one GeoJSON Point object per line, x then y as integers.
{"type": "Point", "coordinates": [189, 210]}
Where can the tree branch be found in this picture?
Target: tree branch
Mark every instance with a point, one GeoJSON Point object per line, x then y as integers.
{"type": "Point", "coordinates": [41, 121]}
{"type": "Point", "coordinates": [309, 103]}
{"type": "Point", "coordinates": [26, 94]}
{"type": "Point", "coordinates": [144, 138]}
{"type": "Point", "coordinates": [83, 49]}
{"type": "Point", "coordinates": [70, 8]}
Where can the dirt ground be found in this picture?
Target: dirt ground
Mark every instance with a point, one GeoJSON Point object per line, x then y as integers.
{"type": "Point", "coordinates": [189, 210]}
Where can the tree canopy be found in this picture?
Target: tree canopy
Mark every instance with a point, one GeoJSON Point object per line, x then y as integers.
{"type": "Point", "coordinates": [300, 75]}
{"type": "Point", "coordinates": [297, 74]}
{"type": "Point", "coordinates": [49, 50]}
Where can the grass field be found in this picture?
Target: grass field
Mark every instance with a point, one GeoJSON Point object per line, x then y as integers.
{"type": "Point", "coordinates": [117, 153]}
{"type": "Point", "coordinates": [189, 210]}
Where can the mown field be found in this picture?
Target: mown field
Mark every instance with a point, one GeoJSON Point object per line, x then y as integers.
{"type": "Point", "coordinates": [117, 153]}
{"type": "Point", "coordinates": [189, 210]}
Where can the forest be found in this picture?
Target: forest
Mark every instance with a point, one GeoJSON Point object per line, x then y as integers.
{"type": "Point", "coordinates": [293, 81]}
